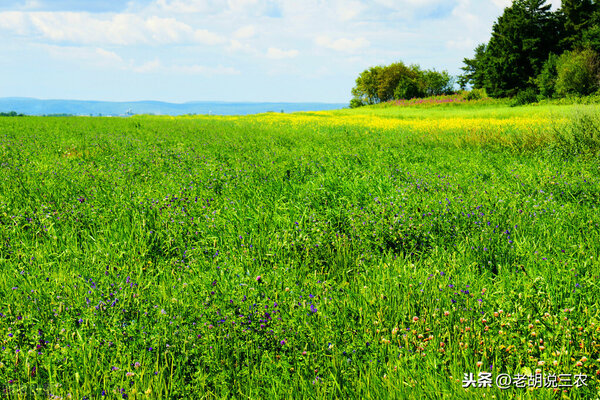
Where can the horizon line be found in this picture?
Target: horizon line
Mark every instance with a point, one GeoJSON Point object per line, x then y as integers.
{"type": "Point", "coordinates": [170, 102]}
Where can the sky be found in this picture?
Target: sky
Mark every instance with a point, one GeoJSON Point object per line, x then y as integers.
{"type": "Point", "coordinates": [227, 50]}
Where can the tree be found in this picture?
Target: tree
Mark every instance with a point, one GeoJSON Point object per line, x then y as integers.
{"type": "Point", "coordinates": [365, 91]}
{"type": "Point", "coordinates": [398, 81]}
{"type": "Point", "coordinates": [546, 80]}
{"type": "Point", "coordinates": [391, 76]}
{"type": "Point", "coordinates": [590, 37]}
{"type": "Point", "coordinates": [474, 69]}
{"type": "Point", "coordinates": [408, 88]}
{"type": "Point", "coordinates": [437, 83]}
{"type": "Point", "coordinates": [522, 39]}
{"type": "Point", "coordinates": [576, 17]}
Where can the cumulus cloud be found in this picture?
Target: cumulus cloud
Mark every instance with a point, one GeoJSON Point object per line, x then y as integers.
{"type": "Point", "coordinates": [118, 29]}
{"type": "Point", "coordinates": [144, 68]}
{"type": "Point", "coordinates": [91, 56]}
{"type": "Point", "coordinates": [343, 44]}
{"type": "Point", "coordinates": [466, 44]}
{"type": "Point", "coordinates": [193, 69]}
{"type": "Point", "coordinates": [230, 7]}
{"type": "Point", "coordinates": [204, 70]}
{"type": "Point", "coordinates": [99, 57]}
{"type": "Point", "coordinates": [506, 3]}
{"type": "Point", "coordinates": [14, 21]}
{"type": "Point", "coordinates": [278, 54]}
{"type": "Point", "coordinates": [245, 32]}
{"type": "Point", "coordinates": [187, 6]}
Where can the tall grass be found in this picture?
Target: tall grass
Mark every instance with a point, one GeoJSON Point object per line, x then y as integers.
{"type": "Point", "coordinates": [326, 255]}
{"type": "Point", "coordinates": [581, 136]}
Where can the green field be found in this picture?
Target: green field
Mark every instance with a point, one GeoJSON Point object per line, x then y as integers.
{"type": "Point", "coordinates": [382, 252]}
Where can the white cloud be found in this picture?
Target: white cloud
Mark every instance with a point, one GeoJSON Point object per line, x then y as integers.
{"type": "Point", "coordinates": [194, 69]}
{"type": "Point", "coordinates": [208, 6]}
{"type": "Point", "coordinates": [237, 46]}
{"type": "Point", "coordinates": [204, 70]}
{"type": "Point", "coordinates": [14, 21]}
{"type": "Point", "coordinates": [187, 6]}
{"type": "Point", "coordinates": [343, 44]}
{"type": "Point", "coordinates": [279, 54]}
{"type": "Point", "coordinates": [99, 57]}
{"type": "Point", "coordinates": [245, 32]}
{"type": "Point", "coordinates": [147, 67]}
{"type": "Point", "coordinates": [502, 4]}
{"type": "Point", "coordinates": [118, 29]}
{"type": "Point", "coordinates": [241, 5]}
{"type": "Point", "coordinates": [348, 10]}
{"type": "Point", "coordinates": [466, 44]}
{"type": "Point", "coordinates": [85, 55]}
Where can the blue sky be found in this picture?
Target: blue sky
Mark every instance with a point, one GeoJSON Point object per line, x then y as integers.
{"type": "Point", "coordinates": [227, 50]}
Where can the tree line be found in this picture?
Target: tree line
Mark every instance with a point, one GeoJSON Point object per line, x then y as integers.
{"type": "Point", "coordinates": [537, 51]}
{"type": "Point", "coordinates": [399, 81]}
{"type": "Point", "coordinates": [533, 52]}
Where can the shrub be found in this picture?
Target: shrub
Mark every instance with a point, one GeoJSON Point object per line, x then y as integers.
{"type": "Point", "coordinates": [475, 94]}
{"type": "Point", "coordinates": [578, 73]}
{"type": "Point", "coordinates": [526, 96]}
{"type": "Point", "coordinates": [355, 103]}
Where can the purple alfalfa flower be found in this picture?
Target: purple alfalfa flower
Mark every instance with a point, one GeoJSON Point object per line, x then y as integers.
{"type": "Point", "coordinates": [282, 342]}
{"type": "Point", "coordinates": [313, 309]}
{"type": "Point", "coordinates": [259, 279]}
{"type": "Point", "coordinates": [81, 199]}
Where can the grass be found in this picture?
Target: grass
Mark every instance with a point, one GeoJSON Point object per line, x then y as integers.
{"type": "Point", "coordinates": [369, 253]}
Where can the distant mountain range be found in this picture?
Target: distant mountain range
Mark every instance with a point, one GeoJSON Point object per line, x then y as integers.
{"type": "Point", "coordinates": [30, 106]}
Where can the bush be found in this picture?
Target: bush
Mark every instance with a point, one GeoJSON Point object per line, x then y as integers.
{"type": "Point", "coordinates": [355, 103]}
{"type": "Point", "coordinates": [526, 96]}
{"type": "Point", "coordinates": [578, 73]}
{"type": "Point", "coordinates": [581, 136]}
{"type": "Point", "coordinates": [475, 94]}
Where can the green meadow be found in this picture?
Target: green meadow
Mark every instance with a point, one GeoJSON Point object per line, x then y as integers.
{"type": "Point", "coordinates": [380, 252]}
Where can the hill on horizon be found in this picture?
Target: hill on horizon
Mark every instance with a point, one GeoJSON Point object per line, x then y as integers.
{"type": "Point", "coordinates": [32, 106]}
